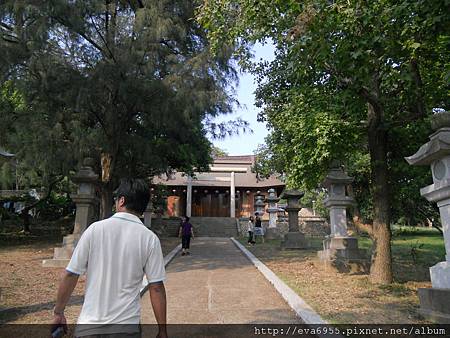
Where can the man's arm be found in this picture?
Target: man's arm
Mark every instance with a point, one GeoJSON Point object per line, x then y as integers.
{"type": "Point", "coordinates": [158, 299]}
{"type": "Point", "coordinates": [66, 285]}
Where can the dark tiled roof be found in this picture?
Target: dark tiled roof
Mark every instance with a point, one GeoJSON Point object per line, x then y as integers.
{"type": "Point", "coordinates": [242, 179]}
{"type": "Point", "coordinates": [235, 159]}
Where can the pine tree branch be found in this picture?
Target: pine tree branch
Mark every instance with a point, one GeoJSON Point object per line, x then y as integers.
{"type": "Point", "coordinates": [133, 4]}
{"type": "Point", "coordinates": [46, 197]}
{"type": "Point", "coordinates": [82, 34]}
{"type": "Point", "coordinates": [8, 38]}
{"type": "Point", "coordinates": [99, 120]}
{"type": "Point", "coordinates": [166, 43]}
{"type": "Point", "coordinates": [103, 39]}
{"type": "Point", "coordinates": [8, 27]}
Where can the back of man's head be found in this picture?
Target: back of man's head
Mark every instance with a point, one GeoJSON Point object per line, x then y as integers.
{"type": "Point", "coordinates": [136, 193]}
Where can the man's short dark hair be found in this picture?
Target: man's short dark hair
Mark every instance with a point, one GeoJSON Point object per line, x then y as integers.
{"type": "Point", "coordinates": [136, 193]}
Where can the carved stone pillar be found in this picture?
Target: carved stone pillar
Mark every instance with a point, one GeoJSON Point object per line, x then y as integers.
{"type": "Point", "coordinates": [294, 239]}
{"type": "Point", "coordinates": [341, 251]}
{"type": "Point", "coordinates": [272, 231]}
{"type": "Point", "coordinates": [86, 206]}
{"type": "Point", "coordinates": [435, 301]}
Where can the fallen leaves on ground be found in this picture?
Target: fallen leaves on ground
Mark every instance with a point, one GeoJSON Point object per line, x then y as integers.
{"type": "Point", "coordinates": [340, 297]}
{"type": "Point", "coordinates": [28, 290]}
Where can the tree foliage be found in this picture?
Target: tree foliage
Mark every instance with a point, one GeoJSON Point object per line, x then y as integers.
{"type": "Point", "coordinates": [132, 84]}
{"type": "Point", "coordinates": [352, 80]}
{"type": "Point", "coordinates": [218, 152]}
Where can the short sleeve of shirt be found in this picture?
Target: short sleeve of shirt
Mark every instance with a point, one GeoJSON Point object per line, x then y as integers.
{"type": "Point", "coordinates": [154, 267]}
{"type": "Point", "coordinates": [79, 261]}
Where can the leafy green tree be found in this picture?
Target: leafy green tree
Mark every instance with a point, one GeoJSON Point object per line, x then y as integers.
{"type": "Point", "coordinates": [132, 84]}
{"type": "Point", "coordinates": [218, 152]}
{"type": "Point", "coordinates": [349, 77]}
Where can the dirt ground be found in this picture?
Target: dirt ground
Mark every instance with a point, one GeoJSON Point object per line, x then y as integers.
{"type": "Point", "coordinates": [28, 291]}
{"type": "Point", "coordinates": [339, 297]}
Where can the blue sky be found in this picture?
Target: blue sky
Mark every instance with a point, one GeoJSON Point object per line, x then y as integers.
{"type": "Point", "coordinates": [245, 144]}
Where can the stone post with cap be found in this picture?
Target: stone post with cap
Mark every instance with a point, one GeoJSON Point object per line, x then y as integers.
{"type": "Point", "coordinates": [86, 211]}
{"type": "Point", "coordinates": [148, 214]}
{"type": "Point", "coordinates": [435, 301]}
{"type": "Point", "coordinates": [294, 239]}
{"type": "Point", "coordinates": [259, 203]}
{"type": "Point", "coordinates": [340, 250]}
{"type": "Point", "coordinates": [272, 200]}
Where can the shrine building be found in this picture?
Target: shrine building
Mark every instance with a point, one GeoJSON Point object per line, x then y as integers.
{"type": "Point", "coordinates": [227, 190]}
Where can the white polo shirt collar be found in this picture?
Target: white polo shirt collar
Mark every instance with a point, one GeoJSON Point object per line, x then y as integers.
{"type": "Point", "coordinates": [125, 216]}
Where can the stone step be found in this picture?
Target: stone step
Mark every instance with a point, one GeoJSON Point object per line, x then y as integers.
{"type": "Point", "coordinates": [55, 263]}
{"type": "Point", "coordinates": [64, 252]}
{"type": "Point", "coordinates": [203, 226]}
{"type": "Point", "coordinates": [215, 226]}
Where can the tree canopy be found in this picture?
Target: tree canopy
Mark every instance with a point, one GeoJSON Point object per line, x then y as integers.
{"type": "Point", "coordinates": [132, 84]}
{"type": "Point", "coordinates": [351, 80]}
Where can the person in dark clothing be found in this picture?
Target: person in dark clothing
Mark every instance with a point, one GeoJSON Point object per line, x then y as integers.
{"type": "Point", "coordinates": [186, 233]}
{"type": "Point", "coordinates": [259, 230]}
{"type": "Point", "coordinates": [250, 229]}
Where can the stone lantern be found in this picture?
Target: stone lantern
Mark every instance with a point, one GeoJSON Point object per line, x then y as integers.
{"type": "Point", "coordinates": [294, 239]}
{"type": "Point", "coordinates": [259, 204]}
{"type": "Point", "coordinates": [148, 214]}
{"type": "Point", "coordinates": [86, 213]}
{"type": "Point", "coordinates": [340, 250]}
{"type": "Point", "coordinates": [435, 301]}
{"type": "Point", "coordinates": [272, 231]}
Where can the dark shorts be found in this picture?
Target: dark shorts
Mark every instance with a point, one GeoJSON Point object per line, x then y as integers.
{"type": "Point", "coordinates": [185, 241]}
{"type": "Point", "coordinates": [115, 335]}
{"type": "Point", "coordinates": [107, 330]}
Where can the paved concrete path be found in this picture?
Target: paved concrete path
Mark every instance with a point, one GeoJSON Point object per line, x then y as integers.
{"type": "Point", "coordinates": [217, 284]}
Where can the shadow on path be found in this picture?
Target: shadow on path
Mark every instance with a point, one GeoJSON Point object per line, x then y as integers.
{"type": "Point", "coordinates": [217, 284]}
{"type": "Point", "coordinates": [14, 313]}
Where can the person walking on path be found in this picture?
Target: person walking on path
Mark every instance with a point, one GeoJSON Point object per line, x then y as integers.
{"type": "Point", "coordinates": [259, 231]}
{"type": "Point", "coordinates": [115, 253]}
{"type": "Point", "coordinates": [250, 228]}
{"type": "Point", "coordinates": [186, 232]}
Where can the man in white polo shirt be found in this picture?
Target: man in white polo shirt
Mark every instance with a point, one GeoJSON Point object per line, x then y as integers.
{"type": "Point", "coordinates": [115, 253]}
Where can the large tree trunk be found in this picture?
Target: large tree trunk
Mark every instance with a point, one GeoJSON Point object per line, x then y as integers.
{"type": "Point", "coordinates": [381, 268]}
{"type": "Point", "coordinates": [106, 201]}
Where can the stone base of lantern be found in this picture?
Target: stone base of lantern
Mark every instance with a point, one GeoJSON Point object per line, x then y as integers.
{"type": "Point", "coordinates": [272, 233]}
{"type": "Point", "coordinates": [61, 256]}
{"type": "Point", "coordinates": [294, 240]}
{"type": "Point", "coordinates": [435, 304]}
{"type": "Point", "coordinates": [440, 275]}
{"type": "Point", "coordinates": [343, 255]}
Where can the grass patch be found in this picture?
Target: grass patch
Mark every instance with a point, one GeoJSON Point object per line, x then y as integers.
{"type": "Point", "coordinates": [352, 299]}
{"type": "Point", "coordinates": [413, 254]}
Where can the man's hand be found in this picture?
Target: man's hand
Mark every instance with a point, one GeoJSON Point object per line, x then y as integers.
{"type": "Point", "coordinates": [162, 334]}
{"type": "Point", "coordinates": [158, 299]}
{"type": "Point", "coordinates": [59, 320]}
{"type": "Point", "coordinates": [67, 284]}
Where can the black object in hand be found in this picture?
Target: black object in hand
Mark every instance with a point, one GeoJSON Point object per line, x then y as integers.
{"type": "Point", "coordinates": [58, 332]}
